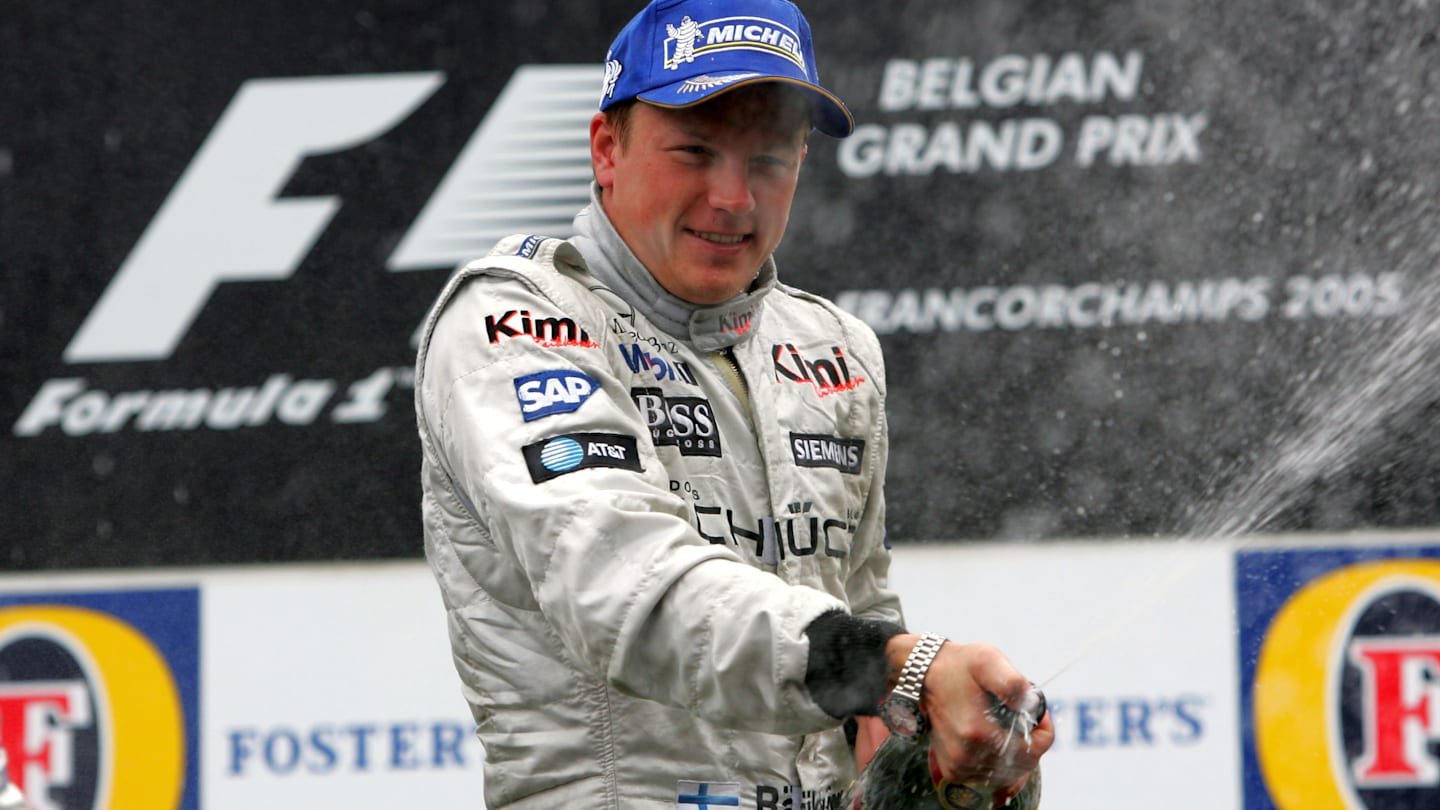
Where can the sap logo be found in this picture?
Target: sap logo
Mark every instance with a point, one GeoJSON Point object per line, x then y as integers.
{"type": "Point", "coordinates": [640, 360]}
{"type": "Point", "coordinates": [828, 375]}
{"type": "Point", "coordinates": [550, 392]}
{"type": "Point", "coordinates": [226, 220]}
{"type": "Point", "coordinates": [545, 331]}
{"type": "Point", "coordinates": [818, 450]}
{"type": "Point", "coordinates": [687, 423]}
{"type": "Point", "coordinates": [551, 458]}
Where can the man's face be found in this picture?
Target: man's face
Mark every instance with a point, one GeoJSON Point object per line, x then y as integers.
{"type": "Point", "coordinates": [702, 195]}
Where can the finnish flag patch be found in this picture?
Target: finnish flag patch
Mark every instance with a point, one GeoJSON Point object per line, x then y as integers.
{"type": "Point", "coordinates": [700, 795]}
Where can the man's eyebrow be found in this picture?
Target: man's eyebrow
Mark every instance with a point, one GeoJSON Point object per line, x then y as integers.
{"type": "Point", "coordinates": [775, 141]}
{"type": "Point", "coordinates": [698, 131]}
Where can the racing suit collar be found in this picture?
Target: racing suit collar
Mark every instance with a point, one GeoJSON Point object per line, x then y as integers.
{"type": "Point", "coordinates": [707, 328]}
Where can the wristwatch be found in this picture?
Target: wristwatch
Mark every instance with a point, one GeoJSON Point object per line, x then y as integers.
{"type": "Point", "coordinates": [901, 711]}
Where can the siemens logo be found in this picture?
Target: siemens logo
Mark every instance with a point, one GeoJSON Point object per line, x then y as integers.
{"type": "Point", "coordinates": [819, 450]}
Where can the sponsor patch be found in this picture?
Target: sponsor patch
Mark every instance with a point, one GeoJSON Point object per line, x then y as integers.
{"type": "Point", "coordinates": [690, 795]}
{"type": "Point", "coordinates": [828, 374]}
{"type": "Point", "coordinates": [529, 246]}
{"type": "Point", "coordinates": [795, 797]}
{"type": "Point", "coordinates": [641, 361]}
{"type": "Point", "coordinates": [554, 457]}
{"type": "Point", "coordinates": [690, 39]}
{"type": "Point", "coordinates": [687, 423]}
{"type": "Point", "coordinates": [545, 331]}
{"type": "Point", "coordinates": [550, 392]}
{"type": "Point", "coordinates": [738, 323]}
{"type": "Point", "coordinates": [613, 69]}
{"type": "Point", "coordinates": [820, 450]}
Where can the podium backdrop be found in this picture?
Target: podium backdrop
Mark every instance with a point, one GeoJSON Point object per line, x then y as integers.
{"type": "Point", "coordinates": [1138, 267]}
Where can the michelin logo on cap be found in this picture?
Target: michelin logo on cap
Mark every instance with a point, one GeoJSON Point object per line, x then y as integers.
{"type": "Point", "coordinates": [750, 33]}
{"type": "Point", "coordinates": [678, 53]}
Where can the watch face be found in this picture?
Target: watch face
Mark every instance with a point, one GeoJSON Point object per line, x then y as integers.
{"type": "Point", "coordinates": [902, 716]}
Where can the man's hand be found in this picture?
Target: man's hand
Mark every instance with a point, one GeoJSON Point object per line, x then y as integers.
{"type": "Point", "coordinates": [959, 695]}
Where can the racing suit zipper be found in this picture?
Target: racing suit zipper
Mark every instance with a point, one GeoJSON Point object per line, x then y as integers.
{"type": "Point", "coordinates": [724, 361]}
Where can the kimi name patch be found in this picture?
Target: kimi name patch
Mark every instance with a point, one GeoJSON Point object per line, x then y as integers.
{"type": "Point", "coordinates": [559, 455]}
{"type": "Point", "coordinates": [820, 450]}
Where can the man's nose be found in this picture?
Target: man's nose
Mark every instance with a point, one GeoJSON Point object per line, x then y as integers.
{"type": "Point", "coordinates": [730, 188]}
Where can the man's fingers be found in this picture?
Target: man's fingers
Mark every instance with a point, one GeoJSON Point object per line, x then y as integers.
{"type": "Point", "coordinates": [993, 672]}
{"type": "Point", "coordinates": [984, 712]}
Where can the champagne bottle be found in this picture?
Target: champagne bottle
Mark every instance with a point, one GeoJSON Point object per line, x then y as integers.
{"type": "Point", "coordinates": [903, 774]}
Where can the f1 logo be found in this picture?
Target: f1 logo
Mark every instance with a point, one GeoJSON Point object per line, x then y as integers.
{"type": "Point", "coordinates": [225, 222]}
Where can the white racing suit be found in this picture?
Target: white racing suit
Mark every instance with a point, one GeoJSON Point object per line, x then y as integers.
{"type": "Point", "coordinates": [631, 539]}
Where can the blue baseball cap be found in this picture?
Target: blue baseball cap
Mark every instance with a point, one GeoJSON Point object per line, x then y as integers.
{"type": "Point", "coordinates": [679, 53]}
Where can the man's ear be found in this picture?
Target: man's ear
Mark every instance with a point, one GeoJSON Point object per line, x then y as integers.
{"type": "Point", "coordinates": [604, 140]}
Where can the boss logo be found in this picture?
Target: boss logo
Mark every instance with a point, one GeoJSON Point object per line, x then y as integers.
{"type": "Point", "coordinates": [687, 423]}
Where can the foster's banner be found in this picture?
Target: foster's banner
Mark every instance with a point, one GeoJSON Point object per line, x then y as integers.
{"type": "Point", "coordinates": [1295, 674]}
{"type": "Point", "coordinates": [1224, 675]}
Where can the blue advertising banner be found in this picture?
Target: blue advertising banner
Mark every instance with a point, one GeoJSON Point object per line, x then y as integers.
{"type": "Point", "coordinates": [1339, 666]}
{"type": "Point", "coordinates": [100, 697]}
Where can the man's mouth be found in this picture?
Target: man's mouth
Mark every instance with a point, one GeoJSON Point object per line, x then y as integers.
{"type": "Point", "coordinates": [721, 238]}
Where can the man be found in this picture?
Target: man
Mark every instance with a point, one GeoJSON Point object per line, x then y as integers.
{"type": "Point", "coordinates": [653, 475]}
